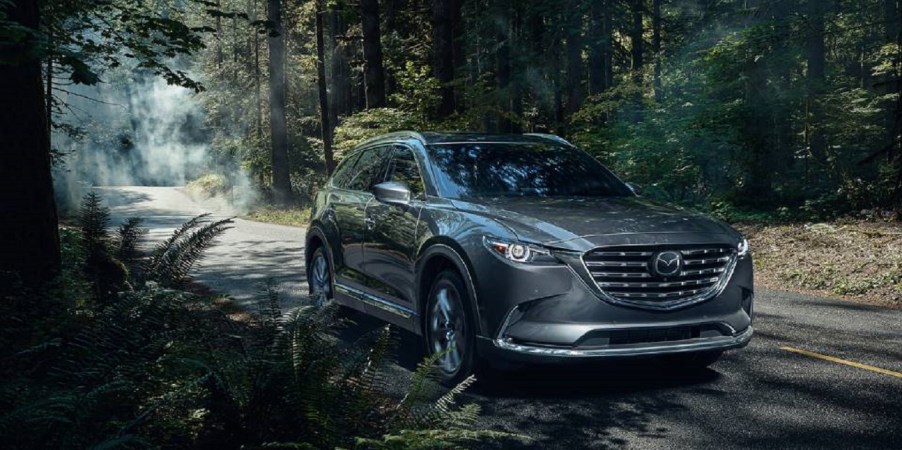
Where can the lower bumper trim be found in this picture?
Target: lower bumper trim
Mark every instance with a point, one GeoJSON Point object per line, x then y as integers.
{"type": "Point", "coordinates": [650, 349]}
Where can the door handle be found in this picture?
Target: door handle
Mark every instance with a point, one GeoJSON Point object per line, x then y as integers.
{"type": "Point", "coordinates": [370, 223]}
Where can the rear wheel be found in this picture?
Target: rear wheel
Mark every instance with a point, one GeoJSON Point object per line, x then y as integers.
{"type": "Point", "coordinates": [449, 328]}
{"type": "Point", "coordinates": [319, 276]}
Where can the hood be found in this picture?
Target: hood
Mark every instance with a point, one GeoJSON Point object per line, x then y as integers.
{"type": "Point", "coordinates": [555, 221]}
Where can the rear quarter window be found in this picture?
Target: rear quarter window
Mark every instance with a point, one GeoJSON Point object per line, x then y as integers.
{"type": "Point", "coordinates": [345, 171]}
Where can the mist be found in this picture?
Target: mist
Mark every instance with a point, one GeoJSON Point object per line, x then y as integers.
{"type": "Point", "coordinates": [137, 131]}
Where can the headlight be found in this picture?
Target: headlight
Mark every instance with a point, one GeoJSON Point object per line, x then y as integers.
{"type": "Point", "coordinates": [743, 248]}
{"type": "Point", "coordinates": [519, 252]}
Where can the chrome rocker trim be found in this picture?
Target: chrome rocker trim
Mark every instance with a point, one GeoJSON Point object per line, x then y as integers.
{"type": "Point", "coordinates": [373, 300]}
{"type": "Point", "coordinates": [718, 343]}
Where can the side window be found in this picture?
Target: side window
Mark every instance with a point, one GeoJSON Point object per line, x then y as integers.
{"type": "Point", "coordinates": [403, 168]}
{"type": "Point", "coordinates": [344, 171]}
{"type": "Point", "coordinates": [369, 170]}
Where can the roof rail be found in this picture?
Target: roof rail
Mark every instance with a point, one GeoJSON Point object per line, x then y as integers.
{"type": "Point", "coordinates": [393, 135]}
{"type": "Point", "coordinates": [550, 137]}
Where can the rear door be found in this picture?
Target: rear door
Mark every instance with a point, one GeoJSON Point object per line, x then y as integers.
{"type": "Point", "coordinates": [349, 205]}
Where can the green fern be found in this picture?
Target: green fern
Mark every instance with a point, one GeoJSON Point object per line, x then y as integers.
{"type": "Point", "coordinates": [129, 234]}
{"type": "Point", "coordinates": [174, 258]}
{"type": "Point", "coordinates": [93, 219]}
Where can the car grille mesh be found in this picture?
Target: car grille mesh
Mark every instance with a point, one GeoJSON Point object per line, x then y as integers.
{"type": "Point", "coordinates": [626, 273]}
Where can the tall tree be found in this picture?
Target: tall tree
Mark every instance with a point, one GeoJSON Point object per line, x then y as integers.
{"type": "Point", "coordinates": [596, 47]}
{"type": "Point", "coordinates": [892, 83]}
{"type": "Point", "coordinates": [637, 53]}
{"type": "Point", "coordinates": [574, 57]}
{"type": "Point", "coordinates": [607, 43]}
{"type": "Point", "coordinates": [281, 183]}
{"type": "Point", "coordinates": [656, 47]}
{"type": "Point", "coordinates": [443, 53]}
{"type": "Point", "coordinates": [339, 76]}
{"type": "Point", "coordinates": [326, 125]}
{"type": "Point", "coordinates": [503, 70]}
{"type": "Point", "coordinates": [816, 54]}
{"type": "Point", "coordinates": [374, 72]}
{"type": "Point", "coordinates": [28, 221]}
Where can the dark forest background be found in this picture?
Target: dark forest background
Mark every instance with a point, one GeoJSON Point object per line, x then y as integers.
{"type": "Point", "coordinates": [749, 109]}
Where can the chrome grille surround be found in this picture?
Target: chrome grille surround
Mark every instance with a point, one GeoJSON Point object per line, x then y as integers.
{"type": "Point", "coordinates": [622, 274]}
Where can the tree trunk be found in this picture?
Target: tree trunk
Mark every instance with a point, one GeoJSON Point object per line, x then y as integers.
{"type": "Point", "coordinates": [503, 68]}
{"type": "Point", "coordinates": [323, 94]}
{"type": "Point", "coordinates": [596, 48]}
{"type": "Point", "coordinates": [607, 44]}
{"type": "Point", "coordinates": [816, 52]}
{"type": "Point", "coordinates": [574, 51]}
{"type": "Point", "coordinates": [218, 54]}
{"type": "Point", "coordinates": [255, 69]}
{"type": "Point", "coordinates": [443, 54]}
{"type": "Point", "coordinates": [656, 47]}
{"type": "Point", "coordinates": [637, 45]}
{"type": "Point", "coordinates": [637, 54]}
{"type": "Point", "coordinates": [373, 71]}
{"type": "Point", "coordinates": [29, 234]}
{"type": "Point", "coordinates": [891, 35]}
{"type": "Point", "coordinates": [281, 183]}
{"type": "Point", "coordinates": [392, 13]}
{"type": "Point", "coordinates": [339, 76]}
{"type": "Point", "coordinates": [48, 86]}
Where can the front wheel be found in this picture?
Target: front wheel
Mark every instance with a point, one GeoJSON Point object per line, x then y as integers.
{"type": "Point", "coordinates": [449, 328]}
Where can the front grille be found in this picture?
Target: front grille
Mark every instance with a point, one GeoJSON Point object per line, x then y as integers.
{"type": "Point", "coordinates": [626, 273]}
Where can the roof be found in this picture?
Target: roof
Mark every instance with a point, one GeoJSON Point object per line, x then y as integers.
{"type": "Point", "coordinates": [430, 138]}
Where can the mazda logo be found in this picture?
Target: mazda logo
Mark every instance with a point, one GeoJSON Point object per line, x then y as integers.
{"type": "Point", "coordinates": [667, 264]}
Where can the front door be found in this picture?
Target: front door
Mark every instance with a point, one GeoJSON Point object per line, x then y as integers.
{"type": "Point", "coordinates": [391, 238]}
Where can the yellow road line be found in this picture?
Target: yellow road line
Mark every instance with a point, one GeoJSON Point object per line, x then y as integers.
{"type": "Point", "coordinates": [843, 361]}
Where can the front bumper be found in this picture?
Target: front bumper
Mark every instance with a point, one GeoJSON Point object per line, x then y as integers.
{"type": "Point", "coordinates": [554, 313]}
{"type": "Point", "coordinates": [511, 351]}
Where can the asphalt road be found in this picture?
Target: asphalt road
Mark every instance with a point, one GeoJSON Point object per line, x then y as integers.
{"type": "Point", "coordinates": [764, 396]}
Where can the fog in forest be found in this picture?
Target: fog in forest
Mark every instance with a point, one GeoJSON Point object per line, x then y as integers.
{"type": "Point", "coordinates": [136, 131]}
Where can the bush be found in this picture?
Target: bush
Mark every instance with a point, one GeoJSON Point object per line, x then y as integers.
{"type": "Point", "coordinates": [209, 185]}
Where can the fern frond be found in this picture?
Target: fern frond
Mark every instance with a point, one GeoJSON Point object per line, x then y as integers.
{"type": "Point", "coordinates": [423, 382]}
{"type": "Point", "coordinates": [130, 233]}
{"type": "Point", "coordinates": [176, 256]}
{"type": "Point", "coordinates": [444, 404]}
{"type": "Point", "coordinates": [93, 219]}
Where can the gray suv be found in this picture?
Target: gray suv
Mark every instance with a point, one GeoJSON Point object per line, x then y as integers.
{"type": "Point", "coordinates": [523, 248]}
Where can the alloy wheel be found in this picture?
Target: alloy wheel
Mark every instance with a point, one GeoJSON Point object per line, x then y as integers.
{"type": "Point", "coordinates": [320, 279]}
{"type": "Point", "coordinates": [447, 328]}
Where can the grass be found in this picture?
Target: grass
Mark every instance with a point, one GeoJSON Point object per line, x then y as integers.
{"type": "Point", "coordinates": [853, 259]}
{"type": "Point", "coordinates": [292, 216]}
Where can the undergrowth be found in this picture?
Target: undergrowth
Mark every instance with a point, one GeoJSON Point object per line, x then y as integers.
{"type": "Point", "coordinates": [130, 360]}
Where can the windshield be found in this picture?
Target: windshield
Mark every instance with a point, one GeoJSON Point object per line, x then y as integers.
{"type": "Point", "coordinates": [520, 169]}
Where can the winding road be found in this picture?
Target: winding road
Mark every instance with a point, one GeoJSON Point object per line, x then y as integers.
{"type": "Point", "coordinates": [819, 373]}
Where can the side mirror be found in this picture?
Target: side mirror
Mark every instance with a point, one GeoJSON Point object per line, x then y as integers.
{"type": "Point", "coordinates": [392, 192]}
{"type": "Point", "coordinates": [634, 187]}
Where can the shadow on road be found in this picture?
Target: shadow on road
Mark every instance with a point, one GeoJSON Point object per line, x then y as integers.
{"type": "Point", "coordinates": [576, 406]}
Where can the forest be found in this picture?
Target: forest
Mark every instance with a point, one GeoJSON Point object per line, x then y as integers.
{"type": "Point", "coordinates": [782, 117]}
{"type": "Point", "coordinates": [756, 109]}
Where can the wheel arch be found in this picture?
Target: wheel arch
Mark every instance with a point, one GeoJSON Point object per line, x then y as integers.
{"type": "Point", "coordinates": [437, 254]}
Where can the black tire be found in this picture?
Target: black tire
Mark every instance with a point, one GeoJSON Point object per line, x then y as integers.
{"type": "Point", "coordinates": [439, 320]}
{"type": "Point", "coordinates": [320, 276]}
